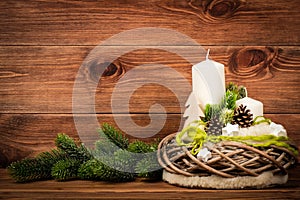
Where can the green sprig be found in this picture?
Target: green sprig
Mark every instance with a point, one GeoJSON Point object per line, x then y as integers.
{"type": "Point", "coordinates": [228, 102]}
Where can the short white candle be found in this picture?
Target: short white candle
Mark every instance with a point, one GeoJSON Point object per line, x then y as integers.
{"type": "Point", "coordinates": [208, 82]}
{"type": "Point", "coordinates": [255, 107]}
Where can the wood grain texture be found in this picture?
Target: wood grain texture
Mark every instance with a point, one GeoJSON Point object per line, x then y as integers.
{"type": "Point", "coordinates": [137, 190]}
{"type": "Point", "coordinates": [40, 79]}
{"type": "Point", "coordinates": [28, 134]}
{"type": "Point", "coordinates": [209, 22]}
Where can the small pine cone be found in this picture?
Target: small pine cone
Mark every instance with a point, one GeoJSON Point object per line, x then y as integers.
{"type": "Point", "coordinates": [242, 116]}
{"type": "Point", "coordinates": [214, 126]}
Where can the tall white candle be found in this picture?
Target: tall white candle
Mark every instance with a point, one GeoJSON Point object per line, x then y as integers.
{"type": "Point", "coordinates": [208, 82]}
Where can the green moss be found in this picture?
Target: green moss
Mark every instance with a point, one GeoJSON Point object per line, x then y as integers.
{"type": "Point", "coordinates": [261, 141]}
{"type": "Point", "coordinates": [199, 138]}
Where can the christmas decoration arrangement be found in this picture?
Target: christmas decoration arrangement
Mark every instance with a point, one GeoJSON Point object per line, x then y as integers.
{"type": "Point", "coordinates": [226, 142]}
{"type": "Point", "coordinates": [113, 159]}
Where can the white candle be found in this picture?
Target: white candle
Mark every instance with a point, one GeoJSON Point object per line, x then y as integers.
{"type": "Point", "coordinates": [208, 82]}
{"type": "Point", "coordinates": [255, 107]}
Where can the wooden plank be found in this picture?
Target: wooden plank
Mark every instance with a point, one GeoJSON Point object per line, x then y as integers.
{"type": "Point", "coordinates": [28, 134]}
{"type": "Point", "coordinates": [137, 190]}
{"type": "Point", "coordinates": [40, 79]}
{"type": "Point", "coordinates": [234, 22]}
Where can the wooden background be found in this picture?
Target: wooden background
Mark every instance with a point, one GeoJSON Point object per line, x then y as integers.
{"type": "Point", "coordinates": [43, 43]}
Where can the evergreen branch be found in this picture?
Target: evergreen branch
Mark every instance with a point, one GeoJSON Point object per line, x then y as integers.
{"type": "Point", "coordinates": [230, 99]}
{"type": "Point", "coordinates": [67, 144]}
{"type": "Point", "coordinates": [149, 168]}
{"type": "Point", "coordinates": [147, 165]}
{"type": "Point", "coordinates": [96, 170]}
{"type": "Point", "coordinates": [65, 169]}
{"type": "Point", "coordinates": [141, 147]}
{"type": "Point", "coordinates": [104, 148]}
{"type": "Point", "coordinates": [115, 162]}
{"type": "Point", "coordinates": [33, 169]}
{"type": "Point", "coordinates": [113, 135]}
{"type": "Point", "coordinates": [125, 161]}
{"type": "Point", "coordinates": [212, 110]}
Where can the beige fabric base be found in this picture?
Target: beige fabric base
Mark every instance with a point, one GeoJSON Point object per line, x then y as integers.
{"type": "Point", "coordinates": [266, 179]}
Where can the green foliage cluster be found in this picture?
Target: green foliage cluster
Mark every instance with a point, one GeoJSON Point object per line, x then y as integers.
{"type": "Point", "coordinates": [225, 109]}
{"type": "Point", "coordinates": [114, 159]}
{"type": "Point", "coordinates": [240, 91]}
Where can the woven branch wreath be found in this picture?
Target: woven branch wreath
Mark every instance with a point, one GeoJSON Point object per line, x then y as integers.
{"type": "Point", "coordinates": [229, 159]}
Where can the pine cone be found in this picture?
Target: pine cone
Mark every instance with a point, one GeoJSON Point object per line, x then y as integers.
{"type": "Point", "coordinates": [214, 126]}
{"type": "Point", "coordinates": [242, 116]}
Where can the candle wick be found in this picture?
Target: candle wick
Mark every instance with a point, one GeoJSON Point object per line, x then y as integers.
{"type": "Point", "coordinates": [207, 54]}
{"type": "Point", "coordinates": [246, 92]}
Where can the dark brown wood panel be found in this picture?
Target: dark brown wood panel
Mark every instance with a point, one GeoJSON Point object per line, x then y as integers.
{"type": "Point", "coordinates": [28, 134]}
{"type": "Point", "coordinates": [209, 22]}
{"type": "Point", "coordinates": [40, 79]}
{"type": "Point", "coordinates": [139, 189]}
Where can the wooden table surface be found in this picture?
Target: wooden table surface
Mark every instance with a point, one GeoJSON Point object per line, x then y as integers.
{"type": "Point", "coordinates": [137, 190]}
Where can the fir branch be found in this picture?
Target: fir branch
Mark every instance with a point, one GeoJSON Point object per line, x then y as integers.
{"type": "Point", "coordinates": [65, 169]}
{"type": "Point", "coordinates": [104, 148]}
{"type": "Point", "coordinates": [69, 161]}
{"type": "Point", "coordinates": [141, 147]}
{"type": "Point", "coordinates": [125, 161]}
{"type": "Point", "coordinates": [68, 145]}
{"type": "Point", "coordinates": [113, 135]}
{"type": "Point", "coordinates": [212, 110]}
{"type": "Point", "coordinates": [149, 168]}
{"type": "Point", "coordinates": [230, 99]}
{"type": "Point", "coordinates": [147, 165]}
{"type": "Point", "coordinates": [33, 169]}
{"type": "Point", "coordinates": [96, 170]}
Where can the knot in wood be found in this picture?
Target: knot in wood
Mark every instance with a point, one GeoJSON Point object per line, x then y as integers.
{"type": "Point", "coordinates": [220, 9]}
{"type": "Point", "coordinates": [111, 71]}
{"type": "Point", "coordinates": [252, 61]}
